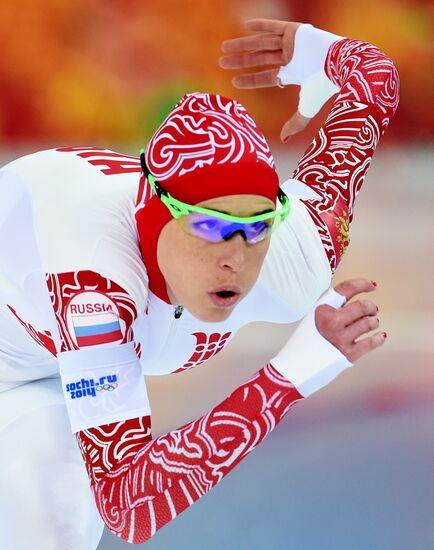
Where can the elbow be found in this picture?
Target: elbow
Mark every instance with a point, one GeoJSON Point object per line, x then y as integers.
{"type": "Point", "coordinates": [366, 74]}
{"type": "Point", "coordinates": [132, 524]}
{"type": "Point", "coordinates": [135, 518]}
{"type": "Point", "coordinates": [388, 85]}
{"type": "Point", "coordinates": [129, 525]}
{"type": "Point", "coordinates": [393, 85]}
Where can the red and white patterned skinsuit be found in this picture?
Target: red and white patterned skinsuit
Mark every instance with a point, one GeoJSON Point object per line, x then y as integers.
{"type": "Point", "coordinates": [72, 216]}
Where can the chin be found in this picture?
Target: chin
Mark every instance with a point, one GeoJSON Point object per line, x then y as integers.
{"type": "Point", "coordinates": [213, 315]}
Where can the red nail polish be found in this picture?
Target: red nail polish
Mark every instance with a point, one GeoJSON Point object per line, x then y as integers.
{"type": "Point", "coordinates": [374, 283]}
{"type": "Point", "coordinates": [286, 139]}
{"type": "Point", "coordinates": [384, 335]}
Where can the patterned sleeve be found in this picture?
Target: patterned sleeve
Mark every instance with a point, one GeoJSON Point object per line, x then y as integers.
{"type": "Point", "coordinates": [141, 484]}
{"type": "Point", "coordinates": [336, 162]}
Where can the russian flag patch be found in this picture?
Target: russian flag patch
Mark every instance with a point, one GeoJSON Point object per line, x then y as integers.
{"type": "Point", "coordinates": [93, 319]}
{"type": "Point", "coordinates": [91, 330]}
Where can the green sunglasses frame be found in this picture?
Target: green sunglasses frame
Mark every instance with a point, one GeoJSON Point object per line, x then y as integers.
{"type": "Point", "coordinates": [178, 208]}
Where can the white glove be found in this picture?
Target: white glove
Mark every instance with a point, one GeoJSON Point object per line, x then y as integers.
{"type": "Point", "coordinates": [306, 68]}
{"type": "Point", "coordinates": [308, 360]}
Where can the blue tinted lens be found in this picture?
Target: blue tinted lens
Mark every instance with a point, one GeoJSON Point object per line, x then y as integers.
{"type": "Point", "coordinates": [258, 231]}
{"type": "Point", "coordinates": [206, 227]}
{"type": "Point", "coordinates": [215, 229]}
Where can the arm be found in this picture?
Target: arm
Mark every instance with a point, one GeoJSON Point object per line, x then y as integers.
{"type": "Point", "coordinates": [140, 484]}
{"type": "Point", "coordinates": [335, 164]}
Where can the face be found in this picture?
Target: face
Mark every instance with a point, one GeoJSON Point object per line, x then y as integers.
{"type": "Point", "coordinates": [209, 279]}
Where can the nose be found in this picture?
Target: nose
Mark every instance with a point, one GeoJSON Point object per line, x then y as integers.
{"type": "Point", "coordinates": [233, 253]}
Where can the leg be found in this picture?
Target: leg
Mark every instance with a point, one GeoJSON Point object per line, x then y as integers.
{"type": "Point", "coordinates": [45, 499]}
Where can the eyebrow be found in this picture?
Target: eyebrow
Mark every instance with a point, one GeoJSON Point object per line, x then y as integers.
{"type": "Point", "coordinates": [249, 216]}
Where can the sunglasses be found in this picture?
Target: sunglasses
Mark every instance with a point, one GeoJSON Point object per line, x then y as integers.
{"type": "Point", "coordinates": [214, 226]}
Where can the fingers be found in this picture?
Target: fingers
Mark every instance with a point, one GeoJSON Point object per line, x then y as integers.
{"type": "Point", "coordinates": [360, 327]}
{"type": "Point", "coordinates": [357, 310]}
{"type": "Point", "coordinates": [262, 79]}
{"type": "Point", "coordinates": [295, 124]}
{"type": "Point", "coordinates": [266, 25]}
{"type": "Point", "coordinates": [252, 43]}
{"type": "Point", "coordinates": [352, 287]}
{"type": "Point", "coordinates": [366, 345]}
{"type": "Point", "coordinates": [345, 327]}
{"type": "Point", "coordinates": [252, 59]}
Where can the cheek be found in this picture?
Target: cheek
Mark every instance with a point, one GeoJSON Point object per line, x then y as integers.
{"type": "Point", "coordinates": [259, 253]}
{"type": "Point", "coordinates": [181, 258]}
{"type": "Point", "coordinates": [192, 253]}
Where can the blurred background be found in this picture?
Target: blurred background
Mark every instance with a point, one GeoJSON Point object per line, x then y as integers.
{"type": "Point", "coordinates": [353, 466]}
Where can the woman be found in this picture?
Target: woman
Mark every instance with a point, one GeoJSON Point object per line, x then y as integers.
{"type": "Point", "coordinates": [155, 276]}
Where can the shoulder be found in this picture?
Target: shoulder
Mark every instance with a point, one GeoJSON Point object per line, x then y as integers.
{"type": "Point", "coordinates": [83, 202]}
{"type": "Point", "coordinates": [64, 164]}
{"type": "Point", "coordinates": [79, 189]}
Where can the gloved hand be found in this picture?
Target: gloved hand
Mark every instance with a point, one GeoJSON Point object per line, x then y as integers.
{"type": "Point", "coordinates": [326, 341]}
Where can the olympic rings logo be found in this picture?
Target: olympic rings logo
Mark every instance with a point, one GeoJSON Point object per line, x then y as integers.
{"type": "Point", "coordinates": [107, 387]}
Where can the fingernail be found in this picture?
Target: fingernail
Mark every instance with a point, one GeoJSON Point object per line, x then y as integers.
{"type": "Point", "coordinates": [384, 335]}
{"type": "Point", "coordinates": [287, 139]}
{"type": "Point", "coordinates": [374, 283]}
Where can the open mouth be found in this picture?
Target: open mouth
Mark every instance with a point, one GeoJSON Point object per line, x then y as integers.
{"type": "Point", "coordinates": [225, 293]}
{"type": "Point", "coordinates": [225, 297]}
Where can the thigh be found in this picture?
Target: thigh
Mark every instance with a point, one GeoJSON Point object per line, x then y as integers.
{"type": "Point", "coordinates": [45, 499]}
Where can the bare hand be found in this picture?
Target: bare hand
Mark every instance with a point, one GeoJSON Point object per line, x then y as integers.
{"type": "Point", "coordinates": [274, 45]}
{"type": "Point", "coordinates": [343, 327]}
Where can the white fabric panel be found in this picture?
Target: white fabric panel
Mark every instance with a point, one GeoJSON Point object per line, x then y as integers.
{"type": "Point", "coordinates": [22, 278]}
{"type": "Point", "coordinates": [45, 499]}
{"type": "Point", "coordinates": [314, 92]}
{"type": "Point", "coordinates": [102, 385]}
{"type": "Point", "coordinates": [22, 286]}
{"type": "Point", "coordinates": [306, 68]}
{"type": "Point", "coordinates": [308, 360]}
{"type": "Point", "coordinates": [298, 189]}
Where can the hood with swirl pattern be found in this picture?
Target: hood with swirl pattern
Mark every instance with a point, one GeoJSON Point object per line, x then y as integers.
{"type": "Point", "coordinates": [208, 146]}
